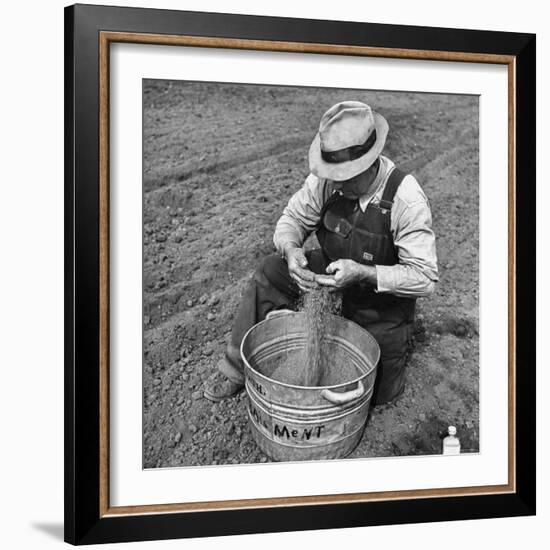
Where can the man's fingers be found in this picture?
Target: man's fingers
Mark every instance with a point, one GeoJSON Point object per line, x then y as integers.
{"type": "Point", "coordinates": [309, 284]}
{"type": "Point", "coordinates": [304, 274]}
{"type": "Point", "coordinates": [334, 266]}
{"type": "Point", "coordinates": [304, 283]}
{"type": "Point", "coordinates": [325, 280]}
{"type": "Point", "coordinates": [306, 287]}
{"type": "Point", "coordinates": [297, 255]}
{"type": "Point", "coordinates": [302, 261]}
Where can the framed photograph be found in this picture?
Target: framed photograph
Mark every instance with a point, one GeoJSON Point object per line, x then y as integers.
{"type": "Point", "coordinates": [299, 274]}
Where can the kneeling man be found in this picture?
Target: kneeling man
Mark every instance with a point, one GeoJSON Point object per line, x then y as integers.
{"type": "Point", "coordinates": [374, 226]}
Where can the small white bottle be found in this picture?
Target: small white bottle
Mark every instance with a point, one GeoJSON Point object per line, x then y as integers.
{"type": "Point", "coordinates": [451, 444]}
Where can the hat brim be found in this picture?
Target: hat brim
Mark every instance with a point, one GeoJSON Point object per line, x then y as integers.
{"type": "Point", "coordinates": [340, 171]}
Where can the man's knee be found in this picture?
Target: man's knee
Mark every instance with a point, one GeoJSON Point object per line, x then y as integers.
{"type": "Point", "coordinates": [273, 271]}
{"type": "Point", "coordinates": [390, 380]}
{"type": "Point", "coordinates": [272, 265]}
{"type": "Point", "coordinates": [395, 349]}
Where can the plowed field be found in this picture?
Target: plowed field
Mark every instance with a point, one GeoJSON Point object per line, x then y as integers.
{"type": "Point", "coordinates": [220, 163]}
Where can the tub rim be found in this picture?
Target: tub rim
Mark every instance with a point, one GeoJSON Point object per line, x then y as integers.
{"type": "Point", "coordinates": [296, 386]}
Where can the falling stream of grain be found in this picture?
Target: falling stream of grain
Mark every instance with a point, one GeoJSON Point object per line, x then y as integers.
{"type": "Point", "coordinates": [317, 306]}
{"type": "Point", "coordinates": [310, 365]}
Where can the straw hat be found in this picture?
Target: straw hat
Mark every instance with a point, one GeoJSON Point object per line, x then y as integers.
{"type": "Point", "coordinates": [351, 137]}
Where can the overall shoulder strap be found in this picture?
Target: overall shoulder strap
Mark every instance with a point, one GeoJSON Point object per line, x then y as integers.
{"type": "Point", "coordinates": [333, 197]}
{"type": "Point", "coordinates": [394, 181]}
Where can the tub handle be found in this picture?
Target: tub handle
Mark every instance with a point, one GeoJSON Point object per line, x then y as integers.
{"type": "Point", "coordinates": [337, 398]}
{"type": "Point", "coordinates": [278, 313]}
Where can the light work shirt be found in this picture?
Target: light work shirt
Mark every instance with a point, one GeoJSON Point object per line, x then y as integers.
{"type": "Point", "coordinates": [410, 223]}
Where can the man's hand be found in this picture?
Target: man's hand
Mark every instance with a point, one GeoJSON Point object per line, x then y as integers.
{"type": "Point", "coordinates": [297, 268]}
{"type": "Point", "coordinates": [343, 273]}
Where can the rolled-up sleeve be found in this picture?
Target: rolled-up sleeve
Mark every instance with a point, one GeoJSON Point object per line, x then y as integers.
{"type": "Point", "coordinates": [416, 272]}
{"type": "Point", "coordinates": [301, 215]}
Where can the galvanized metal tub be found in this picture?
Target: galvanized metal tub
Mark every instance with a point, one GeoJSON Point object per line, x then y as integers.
{"type": "Point", "coordinates": [291, 422]}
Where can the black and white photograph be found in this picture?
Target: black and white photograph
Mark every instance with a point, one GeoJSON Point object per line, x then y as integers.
{"type": "Point", "coordinates": [275, 275]}
{"type": "Point", "coordinates": [310, 273]}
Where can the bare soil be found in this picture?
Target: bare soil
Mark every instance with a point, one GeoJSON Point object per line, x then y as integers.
{"type": "Point", "coordinates": [220, 163]}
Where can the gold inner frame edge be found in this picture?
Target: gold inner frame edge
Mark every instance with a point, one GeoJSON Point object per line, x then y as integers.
{"type": "Point", "coordinates": [105, 39]}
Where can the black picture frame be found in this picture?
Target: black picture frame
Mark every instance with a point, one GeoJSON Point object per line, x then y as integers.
{"type": "Point", "coordinates": [84, 521]}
